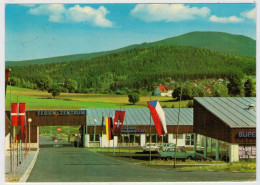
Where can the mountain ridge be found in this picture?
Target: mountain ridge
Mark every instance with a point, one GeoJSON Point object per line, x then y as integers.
{"type": "Point", "coordinates": [219, 41]}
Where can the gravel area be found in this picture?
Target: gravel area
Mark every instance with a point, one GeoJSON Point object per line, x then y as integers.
{"type": "Point", "coordinates": [19, 170]}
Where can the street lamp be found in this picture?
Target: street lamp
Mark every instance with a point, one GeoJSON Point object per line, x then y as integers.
{"type": "Point", "coordinates": [95, 121]}
{"type": "Point", "coordinates": [29, 121]}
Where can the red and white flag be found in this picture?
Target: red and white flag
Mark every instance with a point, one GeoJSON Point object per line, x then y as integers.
{"type": "Point", "coordinates": [18, 118]}
{"type": "Point", "coordinates": [14, 114]}
{"type": "Point", "coordinates": [22, 120]}
{"type": "Point", "coordinates": [118, 122]}
{"type": "Point", "coordinates": [158, 117]}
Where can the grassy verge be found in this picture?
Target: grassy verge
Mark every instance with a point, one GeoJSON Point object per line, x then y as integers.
{"type": "Point", "coordinates": [241, 166]}
{"type": "Point", "coordinates": [140, 158]}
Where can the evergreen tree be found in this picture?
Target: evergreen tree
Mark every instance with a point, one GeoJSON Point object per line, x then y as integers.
{"type": "Point", "coordinates": [235, 85]}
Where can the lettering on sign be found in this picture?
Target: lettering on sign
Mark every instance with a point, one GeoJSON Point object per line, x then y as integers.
{"type": "Point", "coordinates": [60, 112]}
{"type": "Point", "coordinates": [246, 134]}
{"type": "Point", "coordinates": [131, 130]}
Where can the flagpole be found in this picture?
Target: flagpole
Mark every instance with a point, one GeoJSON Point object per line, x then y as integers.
{"type": "Point", "coordinates": [177, 128]}
{"type": "Point", "coordinates": [11, 132]}
{"type": "Point", "coordinates": [17, 133]}
{"type": "Point", "coordinates": [102, 130]}
{"type": "Point", "coordinates": [150, 152]}
{"type": "Point", "coordinates": [119, 137]}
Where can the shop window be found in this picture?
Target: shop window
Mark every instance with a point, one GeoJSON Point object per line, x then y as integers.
{"type": "Point", "coordinates": [132, 139]}
{"type": "Point", "coordinates": [189, 139]}
{"type": "Point", "coordinates": [137, 139]}
{"type": "Point", "coordinates": [247, 152]}
{"type": "Point", "coordinates": [154, 138]}
{"type": "Point", "coordinates": [147, 138]}
{"type": "Point", "coordinates": [223, 149]}
{"type": "Point", "coordinates": [91, 137]}
{"type": "Point", "coordinates": [125, 138]}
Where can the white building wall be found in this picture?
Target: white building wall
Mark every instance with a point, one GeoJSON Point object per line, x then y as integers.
{"type": "Point", "coordinates": [180, 142]}
{"type": "Point", "coordinates": [233, 152]}
{"type": "Point", "coordinates": [110, 143]}
{"type": "Point", "coordinates": [38, 137]}
{"type": "Point", "coordinates": [86, 140]}
{"type": "Point", "coordinates": [7, 141]}
{"type": "Point", "coordinates": [142, 140]}
{"type": "Point", "coordinates": [170, 93]}
{"type": "Point", "coordinates": [163, 94]}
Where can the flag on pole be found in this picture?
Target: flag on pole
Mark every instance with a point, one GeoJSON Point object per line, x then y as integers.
{"type": "Point", "coordinates": [6, 78]}
{"type": "Point", "coordinates": [14, 114]}
{"type": "Point", "coordinates": [109, 128]}
{"type": "Point", "coordinates": [118, 122]}
{"type": "Point", "coordinates": [22, 120]}
{"type": "Point", "coordinates": [14, 118]}
{"type": "Point", "coordinates": [158, 117]}
{"type": "Point", "coordinates": [102, 125]}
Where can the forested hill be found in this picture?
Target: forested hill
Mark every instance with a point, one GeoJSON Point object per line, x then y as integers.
{"type": "Point", "coordinates": [137, 68]}
{"type": "Point", "coordinates": [219, 41]}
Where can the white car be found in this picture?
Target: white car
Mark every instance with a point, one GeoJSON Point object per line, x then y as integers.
{"type": "Point", "coordinates": [153, 146]}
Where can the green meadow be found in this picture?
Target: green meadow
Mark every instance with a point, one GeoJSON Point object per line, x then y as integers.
{"type": "Point", "coordinates": [38, 100]}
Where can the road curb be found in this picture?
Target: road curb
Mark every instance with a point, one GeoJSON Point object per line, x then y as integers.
{"type": "Point", "coordinates": [29, 169]}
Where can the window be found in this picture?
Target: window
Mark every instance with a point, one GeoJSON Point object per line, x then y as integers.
{"type": "Point", "coordinates": [137, 139]}
{"type": "Point", "coordinates": [91, 137]}
{"type": "Point", "coordinates": [189, 139]}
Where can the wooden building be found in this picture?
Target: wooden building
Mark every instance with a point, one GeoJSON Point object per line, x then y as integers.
{"type": "Point", "coordinates": [225, 127]}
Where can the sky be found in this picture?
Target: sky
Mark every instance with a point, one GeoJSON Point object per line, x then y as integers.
{"type": "Point", "coordinates": [40, 31]}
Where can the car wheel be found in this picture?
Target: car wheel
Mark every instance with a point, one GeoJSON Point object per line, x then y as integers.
{"type": "Point", "coordinates": [189, 157]}
{"type": "Point", "coordinates": [168, 158]}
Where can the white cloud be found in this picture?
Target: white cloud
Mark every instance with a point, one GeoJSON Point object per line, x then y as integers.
{"type": "Point", "coordinates": [58, 13]}
{"type": "Point", "coordinates": [231, 19]}
{"type": "Point", "coordinates": [168, 12]}
{"type": "Point", "coordinates": [87, 14]}
{"type": "Point", "coordinates": [251, 14]}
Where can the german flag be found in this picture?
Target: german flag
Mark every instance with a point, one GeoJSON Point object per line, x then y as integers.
{"type": "Point", "coordinates": [109, 128]}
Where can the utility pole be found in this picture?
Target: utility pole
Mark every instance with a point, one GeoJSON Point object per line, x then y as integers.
{"type": "Point", "coordinates": [177, 128]}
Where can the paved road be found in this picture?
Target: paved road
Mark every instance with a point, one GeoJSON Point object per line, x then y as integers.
{"type": "Point", "coordinates": [81, 165]}
{"type": "Point", "coordinates": [46, 141]}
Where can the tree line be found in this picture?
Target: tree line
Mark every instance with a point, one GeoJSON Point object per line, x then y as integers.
{"type": "Point", "coordinates": [132, 70]}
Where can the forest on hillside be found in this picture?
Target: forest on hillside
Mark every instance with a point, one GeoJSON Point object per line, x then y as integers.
{"type": "Point", "coordinates": [136, 69]}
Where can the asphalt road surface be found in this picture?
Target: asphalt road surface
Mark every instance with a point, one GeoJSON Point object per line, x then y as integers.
{"type": "Point", "coordinates": [70, 164]}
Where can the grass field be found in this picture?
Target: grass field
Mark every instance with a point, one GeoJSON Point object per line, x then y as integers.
{"type": "Point", "coordinates": [36, 99]}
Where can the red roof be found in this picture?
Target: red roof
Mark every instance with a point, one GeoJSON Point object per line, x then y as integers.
{"type": "Point", "coordinates": [162, 89]}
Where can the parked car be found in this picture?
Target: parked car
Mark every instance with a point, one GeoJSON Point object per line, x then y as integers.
{"type": "Point", "coordinates": [153, 146]}
{"type": "Point", "coordinates": [181, 154]}
{"type": "Point", "coordinates": [167, 146]}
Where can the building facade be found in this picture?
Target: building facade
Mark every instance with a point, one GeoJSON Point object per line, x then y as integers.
{"type": "Point", "coordinates": [225, 127]}
{"type": "Point", "coordinates": [137, 128]}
